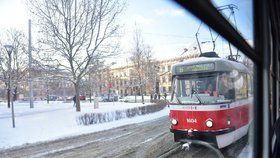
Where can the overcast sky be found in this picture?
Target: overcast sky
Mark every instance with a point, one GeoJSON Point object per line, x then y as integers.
{"type": "Point", "coordinates": [165, 27]}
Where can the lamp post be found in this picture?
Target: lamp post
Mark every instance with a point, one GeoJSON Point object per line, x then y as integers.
{"type": "Point", "coordinates": [30, 82]}
{"type": "Point", "coordinates": [9, 49]}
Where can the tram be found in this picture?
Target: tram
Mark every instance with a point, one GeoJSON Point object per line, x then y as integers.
{"type": "Point", "coordinates": [211, 100]}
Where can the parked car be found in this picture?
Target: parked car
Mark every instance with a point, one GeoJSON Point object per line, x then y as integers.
{"type": "Point", "coordinates": [111, 98]}
{"type": "Point", "coordinates": [129, 99]}
{"type": "Point", "coordinates": [52, 98]}
{"type": "Point", "coordinates": [82, 97]}
{"type": "Point", "coordinates": [69, 98]}
{"type": "Point", "coordinates": [121, 99]}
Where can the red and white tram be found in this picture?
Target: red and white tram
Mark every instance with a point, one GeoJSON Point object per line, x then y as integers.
{"type": "Point", "coordinates": [211, 100]}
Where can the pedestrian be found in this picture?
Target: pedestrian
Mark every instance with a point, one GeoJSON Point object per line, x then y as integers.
{"type": "Point", "coordinates": [159, 96]}
{"type": "Point", "coordinates": [74, 99]}
{"type": "Point", "coordinates": [155, 96]}
{"type": "Point", "coordinates": [151, 100]}
{"type": "Point", "coordinates": [165, 95]}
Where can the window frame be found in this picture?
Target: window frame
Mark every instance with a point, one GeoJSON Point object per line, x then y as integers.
{"type": "Point", "coordinates": [266, 47]}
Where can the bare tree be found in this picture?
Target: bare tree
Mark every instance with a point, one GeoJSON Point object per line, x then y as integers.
{"type": "Point", "coordinates": [13, 64]}
{"type": "Point", "coordinates": [90, 82]}
{"type": "Point", "coordinates": [77, 31]}
{"type": "Point", "coordinates": [141, 58]}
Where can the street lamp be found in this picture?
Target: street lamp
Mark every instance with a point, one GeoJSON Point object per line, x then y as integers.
{"type": "Point", "coordinates": [9, 49]}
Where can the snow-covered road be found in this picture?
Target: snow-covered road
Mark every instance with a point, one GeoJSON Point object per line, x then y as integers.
{"type": "Point", "coordinates": [50, 130]}
{"type": "Point", "coordinates": [147, 139]}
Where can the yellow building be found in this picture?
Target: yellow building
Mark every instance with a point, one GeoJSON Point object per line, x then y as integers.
{"type": "Point", "coordinates": [122, 83]}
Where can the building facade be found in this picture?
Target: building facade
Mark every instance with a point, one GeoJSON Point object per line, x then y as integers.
{"type": "Point", "coordinates": [121, 81]}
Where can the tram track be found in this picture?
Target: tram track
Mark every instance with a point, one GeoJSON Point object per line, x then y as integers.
{"type": "Point", "coordinates": [198, 151]}
{"type": "Point", "coordinates": [170, 152]}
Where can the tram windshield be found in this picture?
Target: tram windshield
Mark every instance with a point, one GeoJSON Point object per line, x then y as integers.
{"type": "Point", "coordinates": [210, 89]}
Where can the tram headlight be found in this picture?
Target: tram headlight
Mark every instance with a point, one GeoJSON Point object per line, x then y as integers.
{"type": "Point", "coordinates": [228, 122]}
{"type": "Point", "coordinates": [174, 122]}
{"type": "Point", "coordinates": [209, 123]}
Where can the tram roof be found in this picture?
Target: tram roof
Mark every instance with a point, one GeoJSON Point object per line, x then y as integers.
{"type": "Point", "coordinates": [206, 64]}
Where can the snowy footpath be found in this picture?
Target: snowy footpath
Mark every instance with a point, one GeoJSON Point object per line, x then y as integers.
{"type": "Point", "coordinates": [58, 120]}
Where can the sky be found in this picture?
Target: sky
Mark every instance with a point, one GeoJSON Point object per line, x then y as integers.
{"type": "Point", "coordinates": [166, 27]}
{"type": "Point", "coordinates": [13, 14]}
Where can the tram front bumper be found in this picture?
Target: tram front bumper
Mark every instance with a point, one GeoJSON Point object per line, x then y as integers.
{"type": "Point", "coordinates": [207, 136]}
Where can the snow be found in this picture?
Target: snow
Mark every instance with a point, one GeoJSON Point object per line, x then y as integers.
{"type": "Point", "coordinates": [78, 146]}
{"type": "Point", "coordinates": [57, 120]}
{"type": "Point", "coordinates": [246, 152]}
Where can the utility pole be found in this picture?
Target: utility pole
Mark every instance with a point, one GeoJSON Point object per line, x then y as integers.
{"type": "Point", "coordinates": [64, 91]}
{"type": "Point", "coordinates": [30, 66]}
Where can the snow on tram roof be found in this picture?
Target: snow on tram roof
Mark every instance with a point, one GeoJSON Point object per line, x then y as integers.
{"type": "Point", "coordinates": [220, 64]}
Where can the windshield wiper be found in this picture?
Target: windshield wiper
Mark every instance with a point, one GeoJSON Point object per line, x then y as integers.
{"type": "Point", "coordinates": [176, 96]}
{"type": "Point", "coordinates": [196, 95]}
{"type": "Point", "coordinates": [179, 101]}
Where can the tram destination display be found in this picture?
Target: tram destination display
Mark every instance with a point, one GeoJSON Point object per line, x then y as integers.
{"type": "Point", "coordinates": [182, 69]}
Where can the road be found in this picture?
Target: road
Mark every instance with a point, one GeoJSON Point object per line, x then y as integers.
{"type": "Point", "coordinates": [148, 139]}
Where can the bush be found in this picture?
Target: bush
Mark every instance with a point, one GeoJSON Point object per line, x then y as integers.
{"type": "Point", "coordinates": [95, 118]}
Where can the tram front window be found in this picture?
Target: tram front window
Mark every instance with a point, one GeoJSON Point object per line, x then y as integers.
{"type": "Point", "coordinates": [202, 89]}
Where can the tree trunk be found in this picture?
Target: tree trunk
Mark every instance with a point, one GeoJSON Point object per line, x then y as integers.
{"type": "Point", "coordinates": [141, 93]}
{"type": "Point", "coordinates": [8, 97]}
{"type": "Point", "coordinates": [77, 91]}
{"type": "Point", "coordinates": [15, 94]}
{"type": "Point", "coordinates": [143, 98]}
{"type": "Point", "coordinates": [135, 93]}
{"type": "Point", "coordinates": [90, 96]}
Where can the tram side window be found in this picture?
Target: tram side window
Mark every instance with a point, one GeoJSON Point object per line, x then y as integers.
{"type": "Point", "coordinates": [176, 89]}
{"type": "Point", "coordinates": [250, 85]}
{"type": "Point", "coordinates": [226, 86]}
{"type": "Point", "coordinates": [241, 86]}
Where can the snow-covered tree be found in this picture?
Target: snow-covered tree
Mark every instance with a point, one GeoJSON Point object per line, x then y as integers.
{"type": "Point", "coordinates": [76, 32]}
{"type": "Point", "coordinates": [13, 61]}
{"type": "Point", "coordinates": [144, 65]}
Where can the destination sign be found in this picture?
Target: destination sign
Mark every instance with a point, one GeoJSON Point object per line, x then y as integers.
{"type": "Point", "coordinates": [195, 68]}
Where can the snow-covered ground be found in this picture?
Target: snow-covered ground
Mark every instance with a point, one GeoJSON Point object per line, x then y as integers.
{"type": "Point", "coordinates": [246, 152]}
{"type": "Point", "coordinates": [57, 120]}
